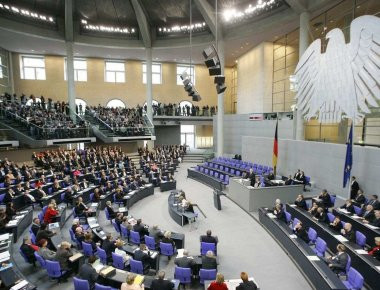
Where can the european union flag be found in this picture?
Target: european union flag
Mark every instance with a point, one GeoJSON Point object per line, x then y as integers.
{"type": "Point", "coordinates": [348, 163]}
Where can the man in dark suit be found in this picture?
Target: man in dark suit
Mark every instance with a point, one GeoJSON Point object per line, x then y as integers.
{"type": "Point", "coordinates": [325, 199]}
{"type": "Point", "coordinates": [348, 206]}
{"type": "Point", "coordinates": [376, 221]}
{"type": "Point", "coordinates": [160, 283]}
{"type": "Point", "coordinates": [348, 233]}
{"type": "Point", "coordinates": [35, 226]}
{"type": "Point", "coordinates": [374, 202]}
{"type": "Point", "coordinates": [246, 284]}
{"type": "Point", "coordinates": [369, 214]}
{"type": "Point", "coordinates": [87, 272]}
{"type": "Point", "coordinates": [140, 228]}
{"type": "Point", "coordinates": [185, 261]}
{"type": "Point", "coordinates": [108, 246]}
{"type": "Point", "coordinates": [301, 232]}
{"type": "Point", "coordinates": [338, 262]}
{"type": "Point", "coordinates": [208, 238]}
{"type": "Point", "coordinates": [354, 187]}
{"type": "Point", "coordinates": [28, 250]}
{"type": "Point", "coordinates": [300, 202]}
{"type": "Point", "coordinates": [141, 255]}
{"type": "Point", "coordinates": [209, 261]}
{"type": "Point", "coordinates": [360, 199]}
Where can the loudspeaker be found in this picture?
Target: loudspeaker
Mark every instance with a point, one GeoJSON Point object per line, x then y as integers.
{"type": "Point", "coordinates": [212, 62]}
{"type": "Point", "coordinates": [188, 88]}
{"type": "Point", "coordinates": [190, 93]}
{"type": "Point", "coordinates": [196, 98]}
{"type": "Point", "coordinates": [215, 71]}
{"type": "Point", "coordinates": [186, 82]}
{"type": "Point", "coordinates": [209, 52]}
{"type": "Point", "coordinates": [184, 75]}
{"type": "Point", "coordinates": [220, 88]}
{"type": "Point", "coordinates": [219, 79]}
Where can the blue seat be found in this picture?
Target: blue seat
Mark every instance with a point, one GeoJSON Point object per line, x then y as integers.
{"type": "Point", "coordinates": [80, 284]}
{"type": "Point", "coordinates": [331, 217]}
{"type": "Point", "coordinates": [354, 280]}
{"type": "Point", "coordinates": [87, 249]}
{"type": "Point", "coordinates": [312, 234]}
{"type": "Point", "coordinates": [108, 217]}
{"type": "Point", "coordinates": [117, 261]}
{"type": "Point", "coordinates": [102, 287]}
{"type": "Point", "coordinates": [92, 196]}
{"type": "Point", "coordinates": [41, 216]}
{"type": "Point", "coordinates": [136, 266]}
{"type": "Point", "coordinates": [150, 242]}
{"type": "Point", "coordinates": [205, 247]}
{"type": "Point", "coordinates": [2, 197]}
{"type": "Point", "coordinates": [135, 237]}
{"type": "Point", "coordinates": [361, 239]}
{"type": "Point", "coordinates": [166, 249]}
{"type": "Point", "coordinates": [288, 217]}
{"type": "Point", "coordinates": [54, 270]}
{"type": "Point", "coordinates": [115, 226]}
{"type": "Point", "coordinates": [124, 231]}
{"type": "Point", "coordinates": [332, 200]}
{"type": "Point", "coordinates": [183, 275]}
{"type": "Point", "coordinates": [295, 222]}
{"type": "Point", "coordinates": [320, 247]}
{"type": "Point", "coordinates": [357, 210]}
{"type": "Point", "coordinates": [102, 255]}
{"type": "Point", "coordinates": [40, 260]}
{"type": "Point", "coordinates": [50, 190]}
{"type": "Point", "coordinates": [205, 274]}
{"type": "Point", "coordinates": [32, 237]}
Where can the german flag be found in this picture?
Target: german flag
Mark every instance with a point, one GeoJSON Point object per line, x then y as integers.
{"type": "Point", "coordinates": [275, 150]}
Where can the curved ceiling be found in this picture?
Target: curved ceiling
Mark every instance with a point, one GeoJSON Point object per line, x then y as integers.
{"type": "Point", "coordinates": [19, 35]}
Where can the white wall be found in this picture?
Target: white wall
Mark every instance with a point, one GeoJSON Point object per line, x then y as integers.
{"type": "Point", "coordinates": [254, 82]}
{"type": "Point", "coordinates": [324, 162]}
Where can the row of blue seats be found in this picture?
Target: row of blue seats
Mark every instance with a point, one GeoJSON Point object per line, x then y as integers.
{"type": "Point", "coordinates": [257, 168]}
{"type": "Point", "coordinates": [224, 178]}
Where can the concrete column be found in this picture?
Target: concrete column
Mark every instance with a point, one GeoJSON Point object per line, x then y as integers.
{"type": "Point", "coordinates": [303, 45]}
{"type": "Point", "coordinates": [149, 90]}
{"type": "Point", "coordinates": [220, 116]}
{"type": "Point", "coordinates": [11, 82]}
{"type": "Point", "coordinates": [70, 77]}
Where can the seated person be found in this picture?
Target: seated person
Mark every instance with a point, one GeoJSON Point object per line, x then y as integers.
{"type": "Point", "coordinates": [348, 233]}
{"type": "Point", "coordinates": [89, 239]}
{"type": "Point", "coordinates": [39, 193]}
{"type": "Point", "coordinates": [168, 239]}
{"type": "Point", "coordinates": [29, 198]}
{"type": "Point", "coordinates": [44, 251]}
{"type": "Point", "coordinates": [289, 181]}
{"type": "Point", "coordinates": [28, 249]}
{"type": "Point", "coordinates": [9, 195]}
{"type": "Point", "coordinates": [68, 198]}
{"type": "Point", "coordinates": [280, 213]}
{"type": "Point", "coordinates": [141, 255]}
{"type": "Point", "coordinates": [246, 284]}
{"type": "Point", "coordinates": [325, 199]}
{"type": "Point", "coordinates": [368, 215]}
{"type": "Point", "coordinates": [88, 272]}
{"type": "Point", "coordinates": [108, 246]}
{"type": "Point", "coordinates": [141, 229]}
{"type": "Point", "coordinates": [130, 285]}
{"type": "Point", "coordinates": [45, 234]}
{"type": "Point", "coordinates": [300, 202]}
{"type": "Point", "coordinates": [96, 197]}
{"type": "Point", "coordinates": [156, 233]}
{"type": "Point", "coordinates": [313, 209]}
{"type": "Point", "coordinates": [209, 238]}
{"type": "Point", "coordinates": [110, 210]}
{"type": "Point", "coordinates": [348, 206]}
{"type": "Point", "coordinates": [297, 175]}
{"type": "Point", "coordinates": [257, 183]}
{"type": "Point", "coordinates": [80, 208]}
{"type": "Point", "coordinates": [301, 232]}
{"type": "Point", "coordinates": [376, 221]}
{"type": "Point", "coordinates": [189, 207]}
{"type": "Point", "coordinates": [338, 262]}
{"type": "Point", "coordinates": [50, 214]}
{"type": "Point", "coordinates": [56, 187]}
{"type": "Point", "coordinates": [320, 215]}
{"type": "Point", "coordinates": [374, 202]}
{"type": "Point", "coordinates": [10, 211]}
{"type": "Point", "coordinates": [119, 250]}
{"type": "Point", "coordinates": [336, 224]}
{"type": "Point", "coordinates": [161, 283]}
{"type": "Point", "coordinates": [119, 196]}
{"type": "Point", "coordinates": [35, 226]}
{"type": "Point", "coordinates": [63, 254]}
{"type": "Point", "coordinates": [209, 261]}
{"type": "Point", "coordinates": [79, 234]}
{"type": "Point", "coordinates": [185, 261]}
{"type": "Point", "coordinates": [360, 199]}
{"type": "Point", "coordinates": [218, 284]}
{"type": "Point", "coordinates": [375, 251]}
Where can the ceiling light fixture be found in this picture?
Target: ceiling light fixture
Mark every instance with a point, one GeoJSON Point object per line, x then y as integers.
{"type": "Point", "coordinates": [196, 27]}
{"type": "Point", "coordinates": [26, 13]}
{"type": "Point", "coordinates": [106, 28]}
{"type": "Point", "coordinates": [233, 14]}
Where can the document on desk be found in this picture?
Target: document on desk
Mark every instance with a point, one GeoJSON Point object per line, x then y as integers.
{"type": "Point", "coordinates": [122, 209]}
{"type": "Point", "coordinates": [293, 236]}
{"type": "Point", "coordinates": [11, 223]}
{"type": "Point", "coordinates": [53, 226]}
{"type": "Point", "coordinates": [356, 217]}
{"type": "Point", "coordinates": [75, 257]}
{"type": "Point", "coordinates": [313, 258]}
{"type": "Point", "coordinates": [24, 212]}
{"type": "Point", "coordinates": [343, 210]}
{"type": "Point", "coordinates": [18, 217]}
{"type": "Point", "coordinates": [94, 204]}
{"type": "Point", "coordinates": [361, 252]}
{"type": "Point", "coordinates": [292, 205]}
{"type": "Point", "coordinates": [4, 256]}
{"type": "Point", "coordinates": [20, 285]}
{"type": "Point", "coordinates": [271, 215]}
{"type": "Point", "coordinates": [180, 253]}
{"type": "Point", "coordinates": [340, 238]}
{"type": "Point", "coordinates": [378, 268]}
{"type": "Point", "coordinates": [372, 227]}
{"type": "Point", "coordinates": [4, 237]}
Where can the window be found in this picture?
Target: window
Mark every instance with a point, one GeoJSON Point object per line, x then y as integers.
{"type": "Point", "coordinates": [187, 135]}
{"type": "Point", "coordinates": [32, 67]}
{"type": "Point", "coordinates": [189, 69]}
{"type": "Point", "coordinates": [156, 73]}
{"type": "Point", "coordinates": [115, 103]}
{"type": "Point", "coordinates": [80, 70]}
{"type": "Point", "coordinates": [114, 71]}
{"type": "Point", "coordinates": [1, 67]}
{"type": "Point", "coordinates": [30, 101]}
{"type": "Point", "coordinates": [79, 102]}
{"type": "Point", "coordinates": [154, 103]}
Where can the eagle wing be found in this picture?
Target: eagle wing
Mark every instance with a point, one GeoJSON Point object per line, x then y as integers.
{"type": "Point", "coordinates": [364, 50]}
{"type": "Point", "coordinates": [307, 75]}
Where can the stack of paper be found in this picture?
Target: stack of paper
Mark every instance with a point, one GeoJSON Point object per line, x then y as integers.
{"type": "Point", "coordinates": [122, 209]}
{"type": "Point", "coordinates": [340, 238]}
{"type": "Point", "coordinates": [361, 252]}
{"type": "Point", "coordinates": [18, 217]}
{"type": "Point", "coordinates": [271, 215]}
{"type": "Point", "coordinates": [293, 236]}
{"type": "Point", "coordinates": [11, 223]}
{"type": "Point", "coordinates": [20, 285]}
{"type": "Point", "coordinates": [94, 204]}
{"type": "Point", "coordinates": [4, 256]}
{"type": "Point", "coordinates": [313, 258]}
{"type": "Point", "coordinates": [4, 237]}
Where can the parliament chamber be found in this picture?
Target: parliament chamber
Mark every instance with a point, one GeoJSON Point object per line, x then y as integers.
{"type": "Point", "coordinates": [189, 144]}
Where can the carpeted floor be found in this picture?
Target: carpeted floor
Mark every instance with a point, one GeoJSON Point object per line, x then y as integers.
{"type": "Point", "coordinates": [244, 245]}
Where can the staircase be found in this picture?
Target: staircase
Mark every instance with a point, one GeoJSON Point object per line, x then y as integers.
{"type": "Point", "coordinates": [197, 156]}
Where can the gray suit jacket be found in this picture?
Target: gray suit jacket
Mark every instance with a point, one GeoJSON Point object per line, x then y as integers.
{"type": "Point", "coordinates": [46, 254]}
{"type": "Point", "coordinates": [184, 262]}
{"type": "Point", "coordinates": [339, 261]}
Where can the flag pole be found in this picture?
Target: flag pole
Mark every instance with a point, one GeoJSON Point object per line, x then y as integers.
{"type": "Point", "coordinates": [352, 163]}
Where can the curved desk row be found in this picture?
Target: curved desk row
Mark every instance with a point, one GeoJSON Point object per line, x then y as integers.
{"type": "Point", "coordinates": [206, 179]}
{"type": "Point", "coordinates": [177, 212]}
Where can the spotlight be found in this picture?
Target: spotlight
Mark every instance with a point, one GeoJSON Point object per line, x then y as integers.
{"type": "Point", "coordinates": [184, 75]}
{"type": "Point", "coordinates": [215, 71]}
{"type": "Point", "coordinates": [196, 98]}
{"type": "Point", "coordinates": [186, 82]}
{"type": "Point", "coordinates": [220, 88]}
{"type": "Point", "coordinates": [211, 62]}
{"type": "Point", "coordinates": [219, 80]}
{"type": "Point", "coordinates": [188, 87]}
{"type": "Point", "coordinates": [209, 52]}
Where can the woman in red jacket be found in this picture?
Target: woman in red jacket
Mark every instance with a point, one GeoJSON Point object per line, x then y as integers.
{"type": "Point", "coordinates": [50, 214]}
{"type": "Point", "coordinates": [375, 251]}
{"type": "Point", "coordinates": [218, 284]}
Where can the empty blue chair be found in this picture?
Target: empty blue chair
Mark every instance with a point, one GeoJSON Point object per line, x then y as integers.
{"type": "Point", "coordinates": [332, 200]}
{"type": "Point", "coordinates": [2, 185]}
{"type": "Point", "coordinates": [150, 242]}
{"type": "Point", "coordinates": [107, 214]}
{"type": "Point", "coordinates": [102, 287]}
{"type": "Point", "coordinates": [2, 197]}
{"type": "Point", "coordinates": [117, 261]}
{"type": "Point", "coordinates": [320, 247]}
{"type": "Point", "coordinates": [312, 234]}
{"type": "Point", "coordinates": [102, 255]}
{"type": "Point", "coordinates": [216, 174]}
{"type": "Point", "coordinates": [80, 284]}
{"type": "Point", "coordinates": [87, 249]}
{"type": "Point", "coordinates": [115, 226]}
{"type": "Point", "coordinates": [354, 280]}
{"type": "Point", "coordinates": [232, 171]}
{"type": "Point", "coordinates": [40, 260]}
{"type": "Point", "coordinates": [124, 231]}
{"type": "Point", "coordinates": [136, 266]}
{"type": "Point", "coordinates": [92, 196]}
{"type": "Point", "coordinates": [41, 216]}
{"type": "Point", "coordinates": [295, 222]}
{"type": "Point", "coordinates": [237, 173]}
{"type": "Point", "coordinates": [135, 237]}
{"type": "Point", "coordinates": [166, 249]}
{"type": "Point", "coordinates": [54, 270]}
{"type": "Point", "coordinates": [227, 169]}
{"type": "Point", "coordinates": [288, 217]}
{"type": "Point", "coordinates": [205, 274]}
{"type": "Point", "coordinates": [50, 190]}
{"type": "Point", "coordinates": [206, 171]}
{"type": "Point", "coordinates": [361, 239]}
{"type": "Point", "coordinates": [357, 210]}
{"type": "Point", "coordinates": [331, 217]}
{"type": "Point", "coordinates": [226, 179]}
{"type": "Point", "coordinates": [183, 275]}
{"type": "Point", "coordinates": [205, 247]}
